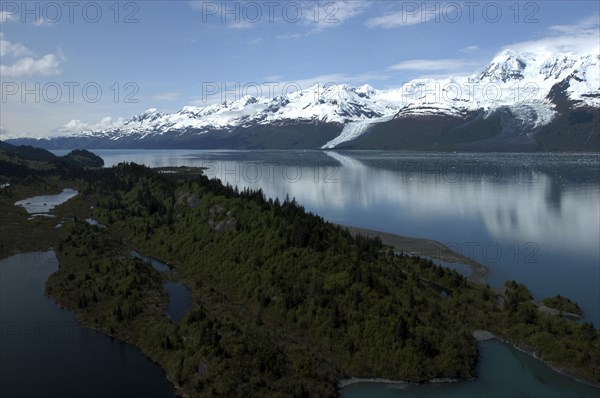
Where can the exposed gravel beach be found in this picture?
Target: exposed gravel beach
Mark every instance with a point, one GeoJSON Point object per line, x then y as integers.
{"type": "Point", "coordinates": [427, 248]}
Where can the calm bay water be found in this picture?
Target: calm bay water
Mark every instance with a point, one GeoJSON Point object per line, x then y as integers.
{"type": "Point", "coordinates": [46, 353]}
{"type": "Point", "coordinates": [534, 218]}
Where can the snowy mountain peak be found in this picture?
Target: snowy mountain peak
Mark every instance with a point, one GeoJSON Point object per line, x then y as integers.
{"type": "Point", "coordinates": [147, 115]}
{"type": "Point", "coordinates": [506, 66]}
{"type": "Point", "coordinates": [366, 90]}
{"type": "Point", "coordinates": [521, 82]}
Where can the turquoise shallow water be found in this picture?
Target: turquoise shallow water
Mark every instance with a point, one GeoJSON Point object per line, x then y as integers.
{"type": "Point", "coordinates": [503, 373]}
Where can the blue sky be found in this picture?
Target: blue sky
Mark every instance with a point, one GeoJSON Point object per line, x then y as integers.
{"type": "Point", "coordinates": [57, 56]}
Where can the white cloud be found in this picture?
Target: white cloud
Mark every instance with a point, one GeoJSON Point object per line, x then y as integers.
{"type": "Point", "coordinates": [241, 24]}
{"type": "Point", "coordinates": [315, 16]}
{"type": "Point", "coordinates": [43, 22]}
{"type": "Point", "coordinates": [6, 16]}
{"type": "Point", "coordinates": [319, 16]}
{"type": "Point", "coordinates": [273, 78]}
{"type": "Point", "coordinates": [170, 96]}
{"type": "Point", "coordinates": [276, 87]}
{"type": "Point", "coordinates": [408, 16]}
{"type": "Point", "coordinates": [581, 37]}
{"type": "Point", "coordinates": [468, 49]}
{"type": "Point", "coordinates": [254, 42]}
{"type": "Point", "coordinates": [586, 23]}
{"type": "Point", "coordinates": [8, 48]}
{"type": "Point", "coordinates": [46, 66]}
{"type": "Point", "coordinates": [431, 65]}
{"type": "Point", "coordinates": [335, 13]}
{"type": "Point", "coordinates": [4, 133]}
{"type": "Point", "coordinates": [289, 36]}
{"type": "Point", "coordinates": [61, 54]}
{"type": "Point", "coordinates": [76, 125]}
{"type": "Point", "coordinates": [24, 63]}
{"type": "Point", "coordinates": [333, 79]}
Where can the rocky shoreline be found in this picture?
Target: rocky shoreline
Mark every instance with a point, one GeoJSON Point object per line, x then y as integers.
{"type": "Point", "coordinates": [361, 380]}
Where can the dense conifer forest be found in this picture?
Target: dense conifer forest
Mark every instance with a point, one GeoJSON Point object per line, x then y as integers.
{"type": "Point", "coordinates": [283, 303]}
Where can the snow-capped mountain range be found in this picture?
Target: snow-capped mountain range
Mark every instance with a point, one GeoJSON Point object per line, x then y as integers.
{"type": "Point", "coordinates": [528, 86]}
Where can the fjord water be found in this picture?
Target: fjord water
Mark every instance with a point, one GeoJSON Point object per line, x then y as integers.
{"type": "Point", "coordinates": [46, 353]}
{"type": "Point", "coordinates": [534, 218]}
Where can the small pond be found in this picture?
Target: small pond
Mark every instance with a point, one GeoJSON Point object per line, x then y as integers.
{"type": "Point", "coordinates": [180, 297]}
{"type": "Point", "coordinates": [43, 204]}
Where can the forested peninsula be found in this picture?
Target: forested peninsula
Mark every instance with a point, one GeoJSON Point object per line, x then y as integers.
{"type": "Point", "coordinates": [283, 303]}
